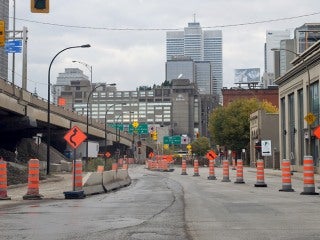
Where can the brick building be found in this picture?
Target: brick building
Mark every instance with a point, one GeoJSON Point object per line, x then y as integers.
{"type": "Point", "coordinates": [270, 94]}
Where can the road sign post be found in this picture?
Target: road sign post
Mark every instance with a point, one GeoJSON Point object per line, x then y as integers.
{"type": "Point", "coordinates": [74, 138]}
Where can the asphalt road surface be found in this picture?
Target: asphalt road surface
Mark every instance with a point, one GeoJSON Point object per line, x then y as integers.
{"type": "Point", "coordinates": [168, 205]}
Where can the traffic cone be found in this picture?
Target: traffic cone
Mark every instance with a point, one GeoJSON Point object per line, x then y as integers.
{"type": "Point", "coordinates": [184, 167]}
{"type": "Point", "coordinates": [225, 166]}
{"type": "Point", "coordinates": [33, 181]}
{"type": "Point", "coordinates": [308, 176]}
{"type": "Point", "coordinates": [286, 176]}
{"type": "Point", "coordinates": [211, 170]}
{"type": "Point", "coordinates": [196, 168]}
{"type": "Point", "coordinates": [239, 178]}
{"type": "Point", "coordinates": [3, 180]}
{"type": "Point", "coordinates": [260, 174]}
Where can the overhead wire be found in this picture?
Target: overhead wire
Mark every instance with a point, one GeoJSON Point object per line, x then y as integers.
{"type": "Point", "coordinates": [166, 29]}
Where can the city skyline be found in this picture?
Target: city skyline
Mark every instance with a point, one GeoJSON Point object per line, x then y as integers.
{"type": "Point", "coordinates": [127, 38]}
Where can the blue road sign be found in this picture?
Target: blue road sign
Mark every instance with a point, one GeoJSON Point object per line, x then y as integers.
{"type": "Point", "coordinates": [13, 46]}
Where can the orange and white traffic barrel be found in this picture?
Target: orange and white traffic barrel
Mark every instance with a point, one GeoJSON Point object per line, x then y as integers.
{"type": "Point", "coordinates": [100, 169]}
{"type": "Point", "coordinates": [260, 174]}
{"type": "Point", "coordinates": [239, 177]}
{"type": "Point", "coordinates": [184, 167]}
{"type": "Point", "coordinates": [3, 180]}
{"type": "Point", "coordinates": [33, 181]}
{"type": "Point", "coordinates": [114, 166]}
{"type": "Point", "coordinates": [308, 176]}
{"type": "Point", "coordinates": [77, 175]}
{"type": "Point", "coordinates": [196, 168]}
{"type": "Point", "coordinates": [211, 170]}
{"type": "Point", "coordinates": [225, 171]}
{"type": "Point", "coordinates": [125, 166]}
{"type": "Point", "coordinates": [286, 176]}
{"type": "Point", "coordinates": [77, 192]}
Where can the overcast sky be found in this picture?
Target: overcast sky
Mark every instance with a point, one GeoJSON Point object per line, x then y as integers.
{"type": "Point", "coordinates": [136, 57]}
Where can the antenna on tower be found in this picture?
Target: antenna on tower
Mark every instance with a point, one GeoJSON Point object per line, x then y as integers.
{"type": "Point", "coordinates": [194, 17]}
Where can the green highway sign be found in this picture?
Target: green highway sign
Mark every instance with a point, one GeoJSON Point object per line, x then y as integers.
{"type": "Point", "coordinates": [141, 129]}
{"type": "Point", "coordinates": [175, 140]}
{"type": "Point", "coordinates": [116, 126]}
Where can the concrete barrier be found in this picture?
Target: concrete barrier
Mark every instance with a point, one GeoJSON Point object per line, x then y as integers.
{"type": "Point", "coordinates": [92, 183]}
{"type": "Point", "coordinates": [123, 178]}
{"type": "Point", "coordinates": [110, 180]}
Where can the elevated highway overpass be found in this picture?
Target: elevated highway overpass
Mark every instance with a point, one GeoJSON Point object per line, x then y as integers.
{"type": "Point", "coordinates": [23, 115]}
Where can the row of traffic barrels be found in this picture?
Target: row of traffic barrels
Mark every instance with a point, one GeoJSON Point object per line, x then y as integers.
{"type": "Point", "coordinates": [308, 174]}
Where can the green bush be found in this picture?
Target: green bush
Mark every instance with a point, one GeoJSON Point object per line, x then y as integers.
{"type": "Point", "coordinates": [93, 164]}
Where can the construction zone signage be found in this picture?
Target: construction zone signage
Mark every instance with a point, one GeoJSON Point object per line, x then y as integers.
{"type": "Point", "coordinates": [211, 155]}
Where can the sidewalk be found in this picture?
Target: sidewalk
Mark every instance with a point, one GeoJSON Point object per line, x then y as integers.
{"type": "Point", "coordinates": [51, 188]}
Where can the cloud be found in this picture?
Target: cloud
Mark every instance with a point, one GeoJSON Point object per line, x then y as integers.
{"type": "Point", "coordinates": [137, 57]}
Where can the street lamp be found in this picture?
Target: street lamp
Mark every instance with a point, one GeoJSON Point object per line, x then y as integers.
{"type": "Point", "coordinates": [87, 66]}
{"type": "Point", "coordinates": [88, 100]}
{"type": "Point", "coordinates": [105, 131]}
{"type": "Point", "coordinates": [48, 117]}
{"type": "Point", "coordinates": [308, 152]}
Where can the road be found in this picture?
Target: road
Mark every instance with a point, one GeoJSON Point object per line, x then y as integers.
{"type": "Point", "coordinates": [168, 205]}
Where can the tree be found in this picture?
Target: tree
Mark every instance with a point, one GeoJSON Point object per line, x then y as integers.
{"type": "Point", "coordinates": [230, 126]}
{"type": "Point", "coordinates": [200, 146]}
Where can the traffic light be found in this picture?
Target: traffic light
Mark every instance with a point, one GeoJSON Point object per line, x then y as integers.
{"type": "Point", "coordinates": [40, 6]}
{"type": "Point", "coordinates": [2, 33]}
{"type": "Point", "coordinates": [258, 146]}
{"type": "Point", "coordinates": [155, 136]}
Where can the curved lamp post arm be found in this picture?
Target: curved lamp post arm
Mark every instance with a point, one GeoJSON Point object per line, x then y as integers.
{"type": "Point", "coordinates": [48, 116]}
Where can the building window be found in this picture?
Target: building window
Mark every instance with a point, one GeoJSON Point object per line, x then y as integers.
{"type": "Point", "coordinates": [292, 129]}
{"type": "Point", "coordinates": [283, 127]}
{"type": "Point", "coordinates": [314, 101]}
{"type": "Point", "coordinates": [300, 125]}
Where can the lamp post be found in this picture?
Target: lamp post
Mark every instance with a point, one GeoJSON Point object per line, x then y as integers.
{"type": "Point", "coordinates": [48, 116]}
{"type": "Point", "coordinates": [308, 152]}
{"type": "Point", "coordinates": [105, 134]}
{"type": "Point", "coordinates": [87, 66]}
{"type": "Point", "coordinates": [88, 101]}
{"type": "Point", "coordinates": [105, 130]}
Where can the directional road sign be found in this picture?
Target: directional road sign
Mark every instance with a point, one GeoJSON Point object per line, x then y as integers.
{"type": "Point", "coordinates": [142, 128]}
{"type": "Point", "coordinates": [176, 140]}
{"type": "Point", "coordinates": [266, 148]}
{"type": "Point", "coordinates": [75, 137]}
{"type": "Point", "coordinates": [13, 46]}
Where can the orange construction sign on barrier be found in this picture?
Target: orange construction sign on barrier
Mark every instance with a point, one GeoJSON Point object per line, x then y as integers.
{"type": "Point", "coordinates": [308, 176]}
{"type": "Point", "coordinates": [286, 176]}
{"type": "Point", "coordinates": [3, 180]}
{"type": "Point", "coordinates": [33, 181]}
{"type": "Point", "coordinates": [239, 178]}
{"type": "Point", "coordinates": [260, 174]}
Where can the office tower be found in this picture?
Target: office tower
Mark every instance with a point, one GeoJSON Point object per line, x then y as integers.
{"type": "Point", "coordinates": [273, 39]}
{"type": "Point", "coordinates": [306, 35]}
{"type": "Point", "coordinates": [4, 15]}
{"type": "Point", "coordinates": [71, 78]}
{"type": "Point", "coordinates": [286, 56]}
{"type": "Point", "coordinates": [199, 46]}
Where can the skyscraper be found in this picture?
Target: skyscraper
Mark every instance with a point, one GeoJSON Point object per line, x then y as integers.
{"type": "Point", "coordinates": [200, 46]}
{"type": "Point", "coordinates": [4, 15]}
